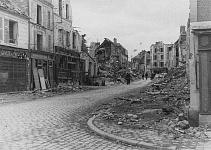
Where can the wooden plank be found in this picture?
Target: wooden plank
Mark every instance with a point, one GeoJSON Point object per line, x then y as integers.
{"type": "Point", "coordinates": [42, 79]}
{"type": "Point", "coordinates": [36, 79]}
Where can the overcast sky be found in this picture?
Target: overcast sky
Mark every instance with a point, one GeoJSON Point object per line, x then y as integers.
{"type": "Point", "coordinates": [132, 22]}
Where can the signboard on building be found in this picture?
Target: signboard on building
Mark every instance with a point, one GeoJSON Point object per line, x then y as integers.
{"type": "Point", "coordinates": [13, 54]}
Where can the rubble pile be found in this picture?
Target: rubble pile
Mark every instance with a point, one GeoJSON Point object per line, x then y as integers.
{"type": "Point", "coordinates": [162, 107]}
{"type": "Point", "coordinates": [60, 90]}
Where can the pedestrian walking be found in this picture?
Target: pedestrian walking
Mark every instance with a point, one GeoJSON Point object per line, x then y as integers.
{"type": "Point", "coordinates": [143, 76]}
{"type": "Point", "coordinates": [146, 75]}
{"type": "Point", "coordinates": [128, 77]}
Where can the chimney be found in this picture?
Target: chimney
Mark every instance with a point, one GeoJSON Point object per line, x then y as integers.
{"type": "Point", "coordinates": [115, 41]}
{"type": "Point", "coordinates": [182, 29]}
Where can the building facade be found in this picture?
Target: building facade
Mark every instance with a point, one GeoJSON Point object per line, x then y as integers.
{"type": "Point", "coordinates": [198, 58]}
{"type": "Point", "coordinates": [67, 56]}
{"type": "Point", "coordinates": [159, 55]}
{"type": "Point", "coordinates": [141, 62]}
{"type": "Point", "coordinates": [14, 56]}
{"type": "Point", "coordinates": [112, 51]}
{"type": "Point", "coordinates": [41, 43]}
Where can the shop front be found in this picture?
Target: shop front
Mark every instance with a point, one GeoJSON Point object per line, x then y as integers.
{"type": "Point", "coordinates": [13, 69]}
{"type": "Point", "coordinates": [67, 66]}
{"type": "Point", "coordinates": [42, 70]}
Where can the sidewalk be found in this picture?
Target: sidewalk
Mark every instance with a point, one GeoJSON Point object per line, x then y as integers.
{"type": "Point", "coordinates": [145, 138]}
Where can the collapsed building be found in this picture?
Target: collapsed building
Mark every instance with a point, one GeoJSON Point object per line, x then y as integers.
{"type": "Point", "coordinates": [111, 57]}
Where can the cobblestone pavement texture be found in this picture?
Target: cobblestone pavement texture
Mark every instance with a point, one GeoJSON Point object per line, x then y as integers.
{"type": "Point", "coordinates": [54, 123]}
{"type": "Point", "coordinates": [152, 137]}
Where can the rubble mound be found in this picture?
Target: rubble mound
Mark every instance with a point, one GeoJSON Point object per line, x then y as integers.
{"type": "Point", "coordinates": [162, 107]}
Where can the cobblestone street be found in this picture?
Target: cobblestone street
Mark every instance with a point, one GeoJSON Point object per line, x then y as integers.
{"type": "Point", "coordinates": [55, 123]}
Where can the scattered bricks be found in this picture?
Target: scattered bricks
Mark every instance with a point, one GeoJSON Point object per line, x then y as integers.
{"type": "Point", "coordinates": [181, 117]}
{"type": "Point", "coordinates": [183, 124]}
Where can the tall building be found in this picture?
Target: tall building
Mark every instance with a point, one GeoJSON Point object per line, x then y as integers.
{"type": "Point", "coordinates": [199, 61]}
{"type": "Point", "coordinates": [141, 62]}
{"type": "Point", "coordinates": [41, 31]}
{"type": "Point", "coordinates": [159, 55]}
{"type": "Point", "coordinates": [67, 44]}
{"type": "Point", "coordinates": [14, 56]}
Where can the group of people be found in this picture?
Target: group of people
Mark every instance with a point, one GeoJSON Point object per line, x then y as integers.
{"type": "Point", "coordinates": [145, 75]}
{"type": "Point", "coordinates": [128, 77]}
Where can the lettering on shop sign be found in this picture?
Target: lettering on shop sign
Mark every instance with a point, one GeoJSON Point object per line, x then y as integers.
{"type": "Point", "coordinates": [14, 54]}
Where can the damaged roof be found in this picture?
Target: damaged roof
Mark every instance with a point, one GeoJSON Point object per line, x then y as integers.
{"type": "Point", "coordinates": [12, 7]}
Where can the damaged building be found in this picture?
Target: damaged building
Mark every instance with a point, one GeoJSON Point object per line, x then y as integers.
{"type": "Point", "coordinates": [67, 44]}
{"type": "Point", "coordinates": [109, 52]}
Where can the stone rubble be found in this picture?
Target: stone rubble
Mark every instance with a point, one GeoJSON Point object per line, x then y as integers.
{"type": "Point", "coordinates": [162, 106]}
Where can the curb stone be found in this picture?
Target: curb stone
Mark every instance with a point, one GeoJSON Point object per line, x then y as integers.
{"type": "Point", "coordinates": [125, 140]}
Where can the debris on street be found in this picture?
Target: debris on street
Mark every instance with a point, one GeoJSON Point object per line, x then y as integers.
{"type": "Point", "coordinates": [61, 89]}
{"type": "Point", "coordinates": [162, 107]}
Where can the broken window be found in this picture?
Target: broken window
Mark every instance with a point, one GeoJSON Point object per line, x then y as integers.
{"type": "Point", "coordinates": [39, 14]}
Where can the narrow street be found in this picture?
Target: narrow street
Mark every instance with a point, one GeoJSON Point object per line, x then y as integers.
{"type": "Point", "coordinates": [58, 122]}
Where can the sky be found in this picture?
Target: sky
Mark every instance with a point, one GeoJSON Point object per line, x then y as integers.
{"type": "Point", "coordinates": [135, 23]}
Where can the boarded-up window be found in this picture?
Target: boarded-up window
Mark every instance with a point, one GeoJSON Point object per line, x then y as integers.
{"type": "Point", "coordinates": [1, 29]}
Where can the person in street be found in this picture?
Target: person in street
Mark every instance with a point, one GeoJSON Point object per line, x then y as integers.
{"type": "Point", "coordinates": [152, 75]}
{"type": "Point", "coordinates": [143, 76]}
{"type": "Point", "coordinates": [128, 77]}
{"type": "Point", "coordinates": [146, 75]}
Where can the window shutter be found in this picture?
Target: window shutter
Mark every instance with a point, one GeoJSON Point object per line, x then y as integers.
{"type": "Point", "coordinates": [35, 40]}
{"type": "Point", "coordinates": [16, 33]}
{"type": "Point", "coordinates": [45, 15]}
{"type": "Point", "coordinates": [6, 30]}
{"type": "Point", "coordinates": [1, 29]}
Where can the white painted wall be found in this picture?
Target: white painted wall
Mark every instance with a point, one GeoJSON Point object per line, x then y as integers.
{"type": "Point", "coordinates": [23, 30]}
{"type": "Point", "coordinates": [43, 28]}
